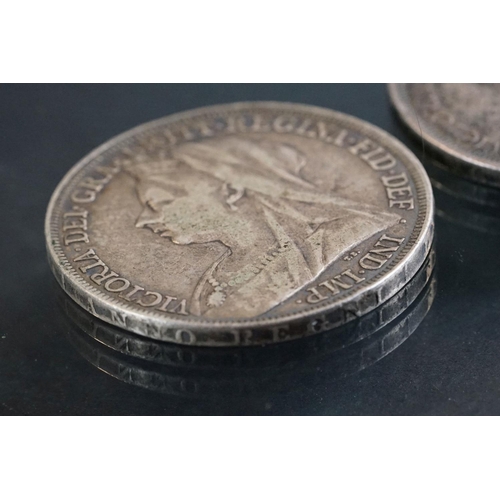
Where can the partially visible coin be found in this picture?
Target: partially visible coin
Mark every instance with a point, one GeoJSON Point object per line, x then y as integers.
{"type": "Point", "coordinates": [459, 121]}
{"type": "Point", "coordinates": [240, 224]}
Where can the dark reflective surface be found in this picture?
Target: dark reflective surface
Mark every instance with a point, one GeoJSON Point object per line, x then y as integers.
{"type": "Point", "coordinates": [449, 364]}
{"type": "Point", "coordinates": [253, 372]}
{"type": "Point", "coordinates": [465, 203]}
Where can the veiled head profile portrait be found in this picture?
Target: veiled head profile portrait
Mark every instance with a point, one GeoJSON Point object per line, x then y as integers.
{"type": "Point", "coordinates": [278, 231]}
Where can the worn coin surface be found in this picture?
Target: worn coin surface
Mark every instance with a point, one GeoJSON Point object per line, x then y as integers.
{"type": "Point", "coordinates": [459, 121]}
{"type": "Point", "coordinates": [240, 224]}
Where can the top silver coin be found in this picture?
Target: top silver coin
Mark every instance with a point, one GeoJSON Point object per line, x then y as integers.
{"type": "Point", "coordinates": [240, 224]}
{"type": "Point", "coordinates": [460, 121]}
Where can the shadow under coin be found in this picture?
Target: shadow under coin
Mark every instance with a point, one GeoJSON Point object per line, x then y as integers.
{"type": "Point", "coordinates": [203, 372]}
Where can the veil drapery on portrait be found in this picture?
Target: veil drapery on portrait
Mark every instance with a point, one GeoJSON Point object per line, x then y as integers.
{"type": "Point", "coordinates": [307, 227]}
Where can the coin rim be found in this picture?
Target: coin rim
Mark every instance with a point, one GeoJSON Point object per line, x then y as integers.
{"type": "Point", "coordinates": [406, 111]}
{"type": "Point", "coordinates": [397, 275]}
{"type": "Point", "coordinates": [383, 314]}
{"type": "Point", "coordinates": [174, 380]}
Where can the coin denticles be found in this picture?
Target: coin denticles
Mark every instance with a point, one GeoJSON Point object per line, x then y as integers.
{"type": "Point", "coordinates": [240, 224]}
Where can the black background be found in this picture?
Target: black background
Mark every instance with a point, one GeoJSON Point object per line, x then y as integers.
{"type": "Point", "coordinates": [448, 366]}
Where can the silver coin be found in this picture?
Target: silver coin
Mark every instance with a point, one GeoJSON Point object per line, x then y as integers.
{"type": "Point", "coordinates": [459, 121]}
{"type": "Point", "coordinates": [240, 224]}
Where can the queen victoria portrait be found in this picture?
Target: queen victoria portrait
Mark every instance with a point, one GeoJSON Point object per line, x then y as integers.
{"type": "Point", "coordinates": [278, 229]}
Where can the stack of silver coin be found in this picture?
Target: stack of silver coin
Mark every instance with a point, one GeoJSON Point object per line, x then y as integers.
{"type": "Point", "coordinates": [241, 225]}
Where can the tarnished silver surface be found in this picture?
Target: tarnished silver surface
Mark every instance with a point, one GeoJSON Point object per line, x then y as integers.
{"type": "Point", "coordinates": [459, 121]}
{"type": "Point", "coordinates": [240, 224]}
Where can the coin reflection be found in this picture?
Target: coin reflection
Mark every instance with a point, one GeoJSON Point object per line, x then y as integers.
{"type": "Point", "coordinates": [209, 372]}
{"type": "Point", "coordinates": [464, 202]}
